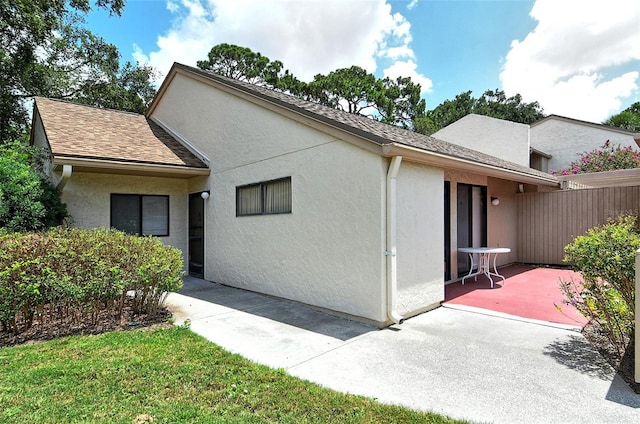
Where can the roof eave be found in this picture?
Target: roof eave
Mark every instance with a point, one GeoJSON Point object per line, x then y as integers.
{"type": "Point", "coordinates": [106, 166]}
{"type": "Point", "coordinates": [413, 154]}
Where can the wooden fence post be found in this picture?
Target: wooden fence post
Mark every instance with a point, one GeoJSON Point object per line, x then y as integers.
{"type": "Point", "coordinates": [637, 343]}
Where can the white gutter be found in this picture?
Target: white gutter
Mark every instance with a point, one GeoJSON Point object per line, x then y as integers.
{"type": "Point", "coordinates": [391, 252]}
{"type": "Point", "coordinates": [66, 174]}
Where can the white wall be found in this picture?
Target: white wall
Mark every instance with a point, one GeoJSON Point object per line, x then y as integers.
{"type": "Point", "coordinates": [420, 197]}
{"type": "Point", "coordinates": [329, 251]}
{"type": "Point", "coordinates": [230, 131]}
{"type": "Point", "coordinates": [497, 137]}
{"type": "Point", "coordinates": [88, 199]}
{"type": "Point", "coordinates": [563, 140]}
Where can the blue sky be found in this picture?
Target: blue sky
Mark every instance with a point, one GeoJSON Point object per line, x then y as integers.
{"type": "Point", "coordinates": [578, 58]}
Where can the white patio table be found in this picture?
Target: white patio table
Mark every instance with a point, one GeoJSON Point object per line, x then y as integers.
{"type": "Point", "coordinates": [484, 261]}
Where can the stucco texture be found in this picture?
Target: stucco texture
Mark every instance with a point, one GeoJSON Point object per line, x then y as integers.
{"type": "Point", "coordinates": [565, 140]}
{"type": "Point", "coordinates": [88, 199]}
{"type": "Point", "coordinates": [497, 137]}
{"type": "Point", "coordinates": [420, 194]}
{"type": "Point", "coordinates": [328, 252]}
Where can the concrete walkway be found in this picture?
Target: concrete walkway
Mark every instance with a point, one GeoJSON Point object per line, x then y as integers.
{"type": "Point", "coordinates": [462, 364]}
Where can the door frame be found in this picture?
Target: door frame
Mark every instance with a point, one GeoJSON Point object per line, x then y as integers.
{"type": "Point", "coordinates": [196, 235]}
{"type": "Point", "coordinates": [473, 209]}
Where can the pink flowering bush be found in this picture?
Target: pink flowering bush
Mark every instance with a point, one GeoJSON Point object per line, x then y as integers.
{"type": "Point", "coordinates": [605, 158]}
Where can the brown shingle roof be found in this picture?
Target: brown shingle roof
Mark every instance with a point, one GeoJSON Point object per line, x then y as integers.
{"type": "Point", "coordinates": [88, 132]}
{"type": "Point", "coordinates": [370, 129]}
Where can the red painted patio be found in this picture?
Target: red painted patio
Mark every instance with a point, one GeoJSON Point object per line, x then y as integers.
{"type": "Point", "coordinates": [528, 292]}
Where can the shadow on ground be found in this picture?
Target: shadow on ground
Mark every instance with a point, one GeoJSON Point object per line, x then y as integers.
{"type": "Point", "coordinates": [577, 354]}
{"type": "Point", "coordinates": [280, 310]}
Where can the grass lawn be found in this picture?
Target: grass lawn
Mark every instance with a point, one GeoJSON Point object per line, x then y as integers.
{"type": "Point", "coordinates": [173, 376]}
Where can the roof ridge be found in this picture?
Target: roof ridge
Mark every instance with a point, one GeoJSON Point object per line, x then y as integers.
{"type": "Point", "coordinates": [582, 121]}
{"type": "Point", "coordinates": [106, 109]}
{"type": "Point", "coordinates": [369, 128]}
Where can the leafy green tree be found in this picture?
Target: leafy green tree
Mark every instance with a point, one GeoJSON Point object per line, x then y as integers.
{"type": "Point", "coordinates": [398, 102]}
{"type": "Point", "coordinates": [491, 103]}
{"type": "Point", "coordinates": [47, 52]}
{"type": "Point", "coordinates": [349, 89]}
{"type": "Point", "coordinates": [243, 64]}
{"type": "Point", "coordinates": [27, 201]}
{"type": "Point", "coordinates": [446, 113]}
{"type": "Point", "coordinates": [628, 119]}
{"type": "Point", "coordinates": [354, 90]}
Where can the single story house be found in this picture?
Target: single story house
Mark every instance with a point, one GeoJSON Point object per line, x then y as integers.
{"type": "Point", "coordinates": [274, 194]}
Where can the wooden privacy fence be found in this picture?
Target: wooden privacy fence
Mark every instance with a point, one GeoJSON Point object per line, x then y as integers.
{"type": "Point", "coordinates": [548, 221]}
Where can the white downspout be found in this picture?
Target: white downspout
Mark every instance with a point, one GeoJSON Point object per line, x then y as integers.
{"type": "Point", "coordinates": [66, 174]}
{"type": "Point", "coordinates": [391, 252]}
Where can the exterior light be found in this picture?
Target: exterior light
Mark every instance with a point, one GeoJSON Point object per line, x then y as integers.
{"type": "Point", "coordinates": [204, 195]}
{"type": "Point", "coordinates": [495, 201]}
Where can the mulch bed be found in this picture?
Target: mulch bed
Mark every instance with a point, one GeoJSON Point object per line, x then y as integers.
{"type": "Point", "coordinates": [106, 321]}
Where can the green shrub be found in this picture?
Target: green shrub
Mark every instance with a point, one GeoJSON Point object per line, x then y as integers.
{"type": "Point", "coordinates": [27, 200]}
{"type": "Point", "coordinates": [604, 158]}
{"type": "Point", "coordinates": [76, 274]}
{"type": "Point", "coordinates": [605, 256]}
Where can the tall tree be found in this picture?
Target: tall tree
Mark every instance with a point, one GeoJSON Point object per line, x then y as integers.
{"type": "Point", "coordinates": [354, 90]}
{"type": "Point", "coordinates": [349, 89]}
{"type": "Point", "coordinates": [628, 119]}
{"type": "Point", "coordinates": [398, 102]}
{"type": "Point", "coordinates": [491, 103]}
{"type": "Point", "coordinates": [243, 64]}
{"type": "Point", "coordinates": [47, 52]}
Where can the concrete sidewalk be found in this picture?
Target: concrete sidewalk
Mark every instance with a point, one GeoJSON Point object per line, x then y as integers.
{"type": "Point", "coordinates": [458, 363]}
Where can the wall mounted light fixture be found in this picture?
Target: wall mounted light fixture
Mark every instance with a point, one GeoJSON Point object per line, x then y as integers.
{"type": "Point", "coordinates": [495, 201]}
{"type": "Point", "coordinates": [205, 194]}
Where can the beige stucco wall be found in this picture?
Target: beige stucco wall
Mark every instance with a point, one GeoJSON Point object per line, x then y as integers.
{"type": "Point", "coordinates": [39, 140]}
{"type": "Point", "coordinates": [502, 220]}
{"type": "Point", "coordinates": [455, 177]}
{"type": "Point", "coordinates": [88, 199]}
{"type": "Point", "coordinates": [329, 252]}
{"type": "Point", "coordinates": [420, 216]}
{"type": "Point", "coordinates": [497, 137]}
{"type": "Point", "coordinates": [564, 140]}
{"type": "Point", "coordinates": [231, 132]}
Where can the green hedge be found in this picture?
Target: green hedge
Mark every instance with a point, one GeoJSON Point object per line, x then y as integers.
{"type": "Point", "coordinates": [76, 274]}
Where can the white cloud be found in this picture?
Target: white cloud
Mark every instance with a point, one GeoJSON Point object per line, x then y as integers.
{"type": "Point", "coordinates": [409, 69]}
{"type": "Point", "coordinates": [308, 36]}
{"type": "Point", "coordinates": [570, 61]}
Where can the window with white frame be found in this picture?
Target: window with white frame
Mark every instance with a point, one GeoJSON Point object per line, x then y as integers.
{"type": "Point", "coordinates": [265, 198]}
{"type": "Point", "coordinates": [140, 214]}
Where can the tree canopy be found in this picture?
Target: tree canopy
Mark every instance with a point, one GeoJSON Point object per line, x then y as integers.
{"type": "Point", "coordinates": [352, 89]}
{"type": "Point", "coordinates": [47, 52]}
{"type": "Point", "coordinates": [628, 119]}
{"type": "Point", "coordinates": [493, 103]}
{"type": "Point", "coordinates": [27, 200]}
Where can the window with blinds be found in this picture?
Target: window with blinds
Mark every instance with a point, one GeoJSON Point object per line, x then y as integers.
{"type": "Point", "coordinates": [265, 198]}
{"type": "Point", "coordinates": [144, 215]}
